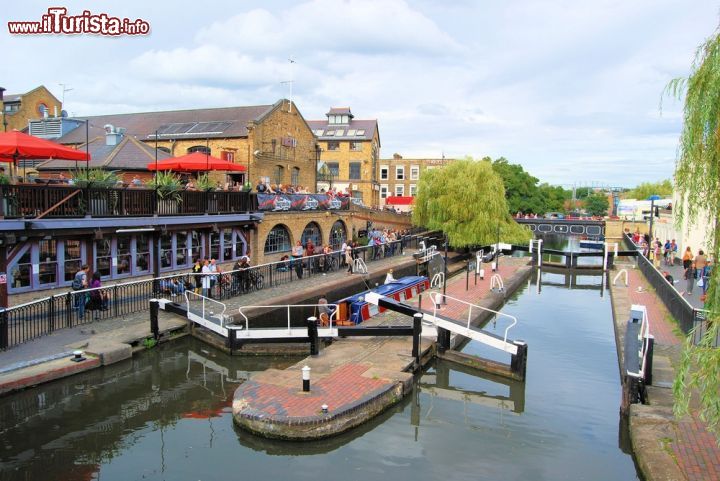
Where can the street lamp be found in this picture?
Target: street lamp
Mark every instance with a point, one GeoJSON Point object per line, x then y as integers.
{"type": "Point", "coordinates": [652, 200]}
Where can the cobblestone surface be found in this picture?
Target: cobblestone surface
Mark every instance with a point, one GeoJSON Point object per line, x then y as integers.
{"type": "Point", "coordinates": [695, 449]}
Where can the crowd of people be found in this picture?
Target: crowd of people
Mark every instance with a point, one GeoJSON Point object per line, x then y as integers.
{"type": "Point", "coordinates": [696, 267]}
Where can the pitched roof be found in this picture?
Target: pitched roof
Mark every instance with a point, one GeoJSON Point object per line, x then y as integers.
{"type": "Point", "coordinates": [128, 154]}
{"type": "Point", "coordinates": [185, 124]}
{"type": "Point", "coordinates": [12, 97]}
{"type": "Point", "coordinates": [339, 111]}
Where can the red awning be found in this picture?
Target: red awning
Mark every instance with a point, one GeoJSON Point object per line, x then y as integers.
{"type": "Point", "coordinates": [17, 145]}
{"type": "Point", "coordinates": [196, 162]}
{"type": "Point", "coordinates": [398, 200]}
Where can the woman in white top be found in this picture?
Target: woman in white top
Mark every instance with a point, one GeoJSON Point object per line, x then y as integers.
{"type": "Point", "coordinates": [389, 278]}
{"type": "Point", "coordinates": [206, 278]}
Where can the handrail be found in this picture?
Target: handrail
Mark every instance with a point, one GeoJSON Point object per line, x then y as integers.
{"type": "Point", "coordinates": [643, 336]}
{"type": "Point", "coordinates": [622, 271]}
{"type": "Point", "coordinates": [496, 281]}
{"type": "Point", "coordinates": [333, 315]}
{"type": "Point", "coordinates": [438, 297]}
{"type": "Point", "coordinates": [360, 266]}
{"type": "Point", "coordinates": [438, 280]}
{"type": "Point", "coordinates": [221, 316]}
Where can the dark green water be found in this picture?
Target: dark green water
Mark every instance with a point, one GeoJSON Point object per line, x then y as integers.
{"type": "Point", "coordinates": [165, 415]}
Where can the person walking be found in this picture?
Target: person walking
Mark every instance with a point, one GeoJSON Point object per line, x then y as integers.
{"type": "Point", "coordinates": [687, 257]}
{"type": "Point", "coordinates": [690, 278]}
{"type": "Point", "coordinates": [673, 252]}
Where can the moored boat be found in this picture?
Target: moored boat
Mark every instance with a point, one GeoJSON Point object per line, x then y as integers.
{"type": "Point", "coordinates": [353, 310]}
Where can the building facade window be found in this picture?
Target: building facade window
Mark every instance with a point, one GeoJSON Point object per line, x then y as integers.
{"type": "Point", "coordinates": [55, 261]}
{"type": "Point", "coordinates": [142, 253]}
{"type": "Point", "coordinates": [103, 257]}
{"type": "Point", "coordinates": [334, 168]}
{"type": "Point", "coordinates": [399, 172]}
{"type": "Point", "coordinates": [338, 235]}
{"type": "Point", "coordinates": [312, 232]}
{"type": "Point", "coordinates": [356, 146]}
{"type": "Point", "coordinates": [399, 190]}
{"type": "Point", "coordinates": [203, 149]}
{"type": "Point", "coordinates": [124, 255]}
{"type": "Point", "coordinates": [278, 240]}
{"type": "Point", "coordinates": [383, 191]}
{"type": "Point", "coordinates": [295, 176]}
{"type": "Point", "coordinates": [73, 258]}
{"type": "Point", "coordinates": [413, 190]}
{"type": "Point", "coordinates": [384, 172]}
{"type": "Point", "coordinates": [181, 249]}
{"type": "Point", "coordinates": [227, 155]}
{"type": "Point", "coordinates": [278, 174]}
{"type": "Point", "coordinates": [48, 264]}
{"type": "Point", "coordinates": [21, 271]}
{"type": "Point", "coordinates": [166, 251]}
{"type": "Point", "coordinates": [333, 145]}
{"type": "Point", "coordinates": [355, 170]}
{"type": "Point", "coordinates": [414, 172]}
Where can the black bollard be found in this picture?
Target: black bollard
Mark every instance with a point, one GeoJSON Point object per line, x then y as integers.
{"type": "Point", "coordinates": [443, 339]}
{"type": "Point", "coordinates": [154, 324]}
{"type": "Point", "coordinates": [647, 379]}
{"type": "Point", "coordinates": [313, 335]}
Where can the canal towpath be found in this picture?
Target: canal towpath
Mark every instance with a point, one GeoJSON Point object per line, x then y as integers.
{"type": "Point", "coordinates": [666, 448]}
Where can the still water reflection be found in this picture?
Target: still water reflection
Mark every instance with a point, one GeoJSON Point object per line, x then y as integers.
{"type": "Point", "coordinates": [165, 415]}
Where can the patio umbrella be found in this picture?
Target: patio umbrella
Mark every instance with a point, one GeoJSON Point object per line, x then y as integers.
{"type": "Point", "coordinates": [196, 162]}
{"type": "Point", "coordinates": [16, 145]}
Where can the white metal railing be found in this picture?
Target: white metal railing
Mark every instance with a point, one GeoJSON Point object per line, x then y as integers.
{"type": "Point", "coordinates": [617, 276]}
{"type": "Point", "coordinates": [643, 340]}
{"type": "Point", "coordinates": [607, 245]}
{"type": "Point", "coordinates": [438, 280]}
{"type": "Point", "coordinates": [332, 317]}
{"type": "Point", "coordinates": [437, 299]}
{"type": "Point", "coordinates": [539, 243]}
{"type": "Point", "coordinates": [360, 266]}
{"type": "Point", "coordinates": [497, 282]}
{"type": "Point", "coordinates": [207, 305]}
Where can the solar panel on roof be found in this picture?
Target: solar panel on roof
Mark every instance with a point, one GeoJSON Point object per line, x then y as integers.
{"type": "Point", "coordinates": [319, 132]}
{"type": "Point", "coordinates": [339, 133]}
{"type": "Point", "coordinates": [360, 132]}
{"type": "Point", "coordinates": [207, 127]}
{"type": "Point", "coordinates": [351, 133]}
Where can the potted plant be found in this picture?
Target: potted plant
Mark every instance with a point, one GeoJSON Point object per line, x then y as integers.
{"type": "Point", "coordinates": [168, 187]}
{"type": "Point", "coordinates": [204, 184]}
{"type": "Point", "coordinates": [102, 201]}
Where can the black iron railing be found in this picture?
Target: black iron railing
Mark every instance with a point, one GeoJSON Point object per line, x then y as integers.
{"type": "Point", "coordinates": [64, 201]}
{"type": "Point", "coordinates": [22, 323]}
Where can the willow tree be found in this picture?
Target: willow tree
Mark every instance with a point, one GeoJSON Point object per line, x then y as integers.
{"type": "Point", "coordinates": [697, 181]}
{"type": "Point", "coordinates": [466, 200]}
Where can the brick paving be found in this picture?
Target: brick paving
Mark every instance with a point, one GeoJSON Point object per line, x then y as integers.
{"type": "Point", "coordinates": [695, 449]}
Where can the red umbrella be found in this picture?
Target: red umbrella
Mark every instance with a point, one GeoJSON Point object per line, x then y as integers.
{"type": "Point", "coordinates": [16, 145]}
{"type": "Point", "coordinates": [195, 162]}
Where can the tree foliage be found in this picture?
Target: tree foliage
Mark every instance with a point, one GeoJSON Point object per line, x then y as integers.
{"type": "Point", "coordinates": [697, 181]}
{"type": "Point", "coordinates": [521, 190]}
{"type": "Point", "coordinates": [466, 200]}
{"type": "Point", "coordinates": [597, 204]}
{"type": "Point", "coordinates": [663, 188]}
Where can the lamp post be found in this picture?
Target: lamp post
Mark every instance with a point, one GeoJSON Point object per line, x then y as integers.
{"type": "Point", "coordinates": [652, 200]}
{"type": "Point", "coordinates": [2, 99]}
{"type": "Point", "coordinates": [156, 171]}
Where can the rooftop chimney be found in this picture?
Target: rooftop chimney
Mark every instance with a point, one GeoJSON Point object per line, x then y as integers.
{"type": "Point", "coordinates": [113, 136]}
{"type": "Point", "coordinates": [397, 156]}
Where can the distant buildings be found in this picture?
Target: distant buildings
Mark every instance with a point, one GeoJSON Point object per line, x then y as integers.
{"type": "Point", "coordinates": [399, 177]}
{"type": "Point", "coordinates": [18, 109]}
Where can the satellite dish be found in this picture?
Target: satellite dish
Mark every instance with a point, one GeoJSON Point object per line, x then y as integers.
{"type": "Point", "coordinates": [64, 114]}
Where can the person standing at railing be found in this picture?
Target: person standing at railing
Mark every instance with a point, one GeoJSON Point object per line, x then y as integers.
{"type": "Point", "coordinates": [690, 278]}
{"type": "Point", "coordinates": [99, 298]}
{"type": "Point", "coordinates": [206, 274]}
{"type": "Point", "coordinates": [297, 255]}
{"type": "Point", "coordinates": [80, 282]}
{"type": "Point", "coordinates": [349, 258]}
{"type": "Point", "coordinates": [197, 275]}
{"type": "Point", "coordinates": [657, 253]}
{"type": "Point", "coordinates": [706, 275]}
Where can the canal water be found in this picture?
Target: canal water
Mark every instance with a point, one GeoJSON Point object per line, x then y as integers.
{"type": "Point", "coordinates": [165, 415]}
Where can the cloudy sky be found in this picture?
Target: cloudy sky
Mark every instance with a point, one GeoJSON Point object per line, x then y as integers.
{"type": "Point", "coordinates": [569, 89]}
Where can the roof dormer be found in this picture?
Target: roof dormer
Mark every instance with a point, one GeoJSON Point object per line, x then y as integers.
{"type": "Point", "coordinates": [339, 116]}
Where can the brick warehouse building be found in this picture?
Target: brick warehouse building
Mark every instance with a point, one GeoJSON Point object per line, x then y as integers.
{"type": "Point", "coordinates": [273, 142]}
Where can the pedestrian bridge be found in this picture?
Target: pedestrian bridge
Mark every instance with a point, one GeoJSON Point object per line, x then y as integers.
{"type": "Point", "coordinates": [565, 226]}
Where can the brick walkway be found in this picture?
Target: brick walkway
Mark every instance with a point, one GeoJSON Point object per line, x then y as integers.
{"type": "Point", "coordinates": [696, 450]}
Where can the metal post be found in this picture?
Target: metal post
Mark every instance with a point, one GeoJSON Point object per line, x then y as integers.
{"type": "Point", "coordinates": [652, 214]}
{"type": "Point", "coordinates": [467, 277]}
{"type": "Point", "coordinates": [417, 330]}
{"type": "Point", "coordinates": [3, 271]}
{"type": "Point", "coordinates": [313, 335]}
{"type": "Point", "coordinates": [4, 335]}
{"type": "Point", "coordinates": [154, 323]}
{"type": "Point", "coordinates": [443, 340]}
{"type": "Point", "coordinates": [518, 362]}
{"type": "Point", "coordinates": [306, 378]}
{"type": "Point", "coordinates": [445, 270]}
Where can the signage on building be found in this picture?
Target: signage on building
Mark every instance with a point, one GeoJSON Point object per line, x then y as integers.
{"type": "Point", "coordinates": [301, 202]}
{"type": "Point", "coordinates": [3, 278]}
{"type": "Point", "coordinates": [288, 142]}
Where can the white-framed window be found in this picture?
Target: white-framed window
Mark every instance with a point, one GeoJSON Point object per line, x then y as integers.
{"type": "Point", "coordinates": [383, 191]}
{"type": "Point", "coordinates": [414, 172]}
{"type": "Point", "coordinates": [413, 190]}
{"type": "Point", "coordinates": [384, 172]}
{"type": "Point", "coordinates": [399, 172]}
{"type": "Point", "coordinates": [400, 190]}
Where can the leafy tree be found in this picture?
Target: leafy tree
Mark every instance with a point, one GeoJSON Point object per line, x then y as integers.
{"type": "Point", "coordinates": [521, 190]}
{"type": "Point", "coordinates": [597, 204]}
{"type": "Point", "coordinates": [466, 200]}
{"type": "Point", "coordinates": [646, 189]}
{"type": "Point", "coordinates": [697, 180]}
{"type": "Point", "coordinates": [554, 197]}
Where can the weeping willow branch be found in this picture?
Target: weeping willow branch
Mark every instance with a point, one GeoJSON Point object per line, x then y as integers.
{"type": "Point", "coordinates": [697, 180]}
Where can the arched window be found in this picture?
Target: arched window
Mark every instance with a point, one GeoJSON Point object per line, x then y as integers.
{"type": "Point", "coordinates": [295, 176]}
{"type": "Point", "coordinates": [338, 235]}
{"type": "Point", "coordinates": [312, 232]}
{"type": "Point", "coordinates": [278, 240]}
{"type": "Point", "coordinates": [199, 148]}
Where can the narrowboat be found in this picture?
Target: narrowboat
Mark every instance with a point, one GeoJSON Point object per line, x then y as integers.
{"type": "Point", "coordinates": [354, 310]}
{"type": "Point", "coordinates": [592, 244]}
